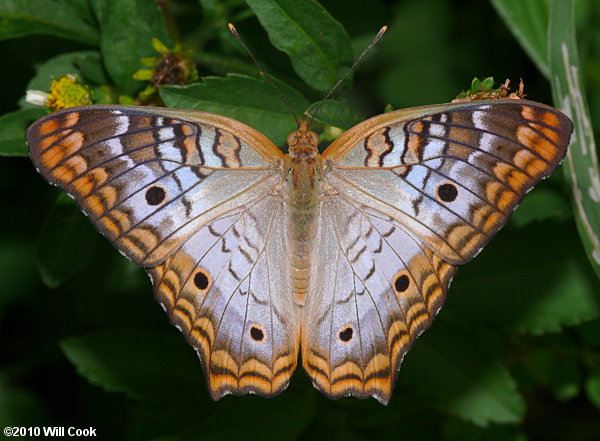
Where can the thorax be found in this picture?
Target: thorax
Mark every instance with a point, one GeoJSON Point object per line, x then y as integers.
{"type": "Point", "coordinates": [303, 168]}
{"type": "Point", "coordinates": [303, 180]}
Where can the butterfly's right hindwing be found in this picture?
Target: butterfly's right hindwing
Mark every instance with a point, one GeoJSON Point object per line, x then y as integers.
{"type": "Point", "coordinates": [228, 292]}
{"type": "Point", "coordinates": [408, 196]}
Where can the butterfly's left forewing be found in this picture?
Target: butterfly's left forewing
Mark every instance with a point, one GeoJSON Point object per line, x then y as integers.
{"type": "Point", "coordinates": [192, 197]}
{"type": "Point", "coordinates": [407, 196]}
{"type": "Point", "coordinates": [148, 178]}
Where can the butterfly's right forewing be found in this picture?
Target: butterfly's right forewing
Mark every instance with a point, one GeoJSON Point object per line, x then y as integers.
{"type": "Point", "coordinates": [452, 173]}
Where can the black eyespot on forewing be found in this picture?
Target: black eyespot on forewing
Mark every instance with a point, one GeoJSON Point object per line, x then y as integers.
{"type": "Point", "coordinates": [447, 192]}
{"type": "Point", "coordinates": [155, 195]}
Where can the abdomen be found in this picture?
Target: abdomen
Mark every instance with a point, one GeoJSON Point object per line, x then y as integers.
{"type": "Point", "coordinates": [303, 193]}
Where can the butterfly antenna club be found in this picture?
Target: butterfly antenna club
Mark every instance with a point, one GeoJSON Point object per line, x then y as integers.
{"type": "Point", "coordinates": [343, 77]}
{"type": "Point", "coordinates": [262, 71]}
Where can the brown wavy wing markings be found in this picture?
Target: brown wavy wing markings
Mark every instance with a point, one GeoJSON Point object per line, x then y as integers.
{"type": "Point", "coordinates": [217, 290]}
{"type": "Point", "coordinates": [108, 157]}
{"type": "Point", "coordinates": [494, 151]}
{"type": "Point", "coordinates": [378, 297]}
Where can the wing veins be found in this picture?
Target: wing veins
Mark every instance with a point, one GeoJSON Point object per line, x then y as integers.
{"type": "Point", "coordinates": [125, 152]}
{"type": "Point", "coordinates": [207, 211]}
{"type": "Point", "coordinates": [354, 272]}
{"type": "Point", "coordinates": [442, 239]}
{"type": "Point", "coordinates": [498, 135]}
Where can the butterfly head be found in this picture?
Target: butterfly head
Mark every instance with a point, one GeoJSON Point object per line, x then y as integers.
{"type": "Point", "coordinates": [303, 142]}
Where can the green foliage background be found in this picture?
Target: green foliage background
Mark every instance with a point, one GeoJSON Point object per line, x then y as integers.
{"type": "Point", "coordinates": [514, 353]}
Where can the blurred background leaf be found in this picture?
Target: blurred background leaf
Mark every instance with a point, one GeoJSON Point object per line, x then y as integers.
{"type": "Point", "coordinates": [528, 20]}
{"type": "Point", "coordinates": [47, 17]}
{"type": "Point", "coordinates": [582, 169]}
{"type": "Point", "coordinates": [249, 100]}
{"type": "Point", "coordinates": [139, 364]}
{"type": "Point", "coordinates": [297, 28]}
{"type": "Point", "coordinates": [12, 127]}
{"type": "Point", "coordinates": [66, 243]}
{"type": "Point", "coordinates": [126, 31]}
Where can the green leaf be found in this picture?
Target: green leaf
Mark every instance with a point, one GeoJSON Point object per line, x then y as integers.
{"type": "Point", "coordinates": [487, 84]}
{"type": "Point", "coordinates": [283, 418]}
{"type": "Point", "coordinates": [66, 242]}
{"type": "Point", "coordinates": [246, 99]}
{"type": "Point", "coordinates": [317, 44]}
{"type": "Point", "coordinates": [542, 204]}
{"type": "Point", "coordinates": [91, 68]}
{"type": "Point", "coordinates": [418, 51]}
{"type": "Point", "coordinates": [590, 333]}
{"type": "Point", "coordinates": [592, 386]}
{"type": "Point", "coordinates": [20, 18]}
{"type": "Point", "coordinates": [336, 113]}
{"type": "Point", "coordinates": [12, 130]}
{"type": "Point", "coordinates": [554, 364]}
{"type": "Point", "coordinates": [528, 21]}
{"type": "Point", "coordinates": [581, 166]}
{"type": "Point", "coordinates": [18, 279]}
{"type": "Point", "coordinates": [83, 8]}
{"type": "Point", "coordinates": [461, 377]}
{"type": "Point", "coordinates": [533, 279]}
{"type": "Point", "coordinates": [458, 430]}
{"type": "Point", "coordinates": [126, 31]}
{"type": "Point", "coordinates": [138, 363]}
{"type": "Point", "coordinates": [20, 407]}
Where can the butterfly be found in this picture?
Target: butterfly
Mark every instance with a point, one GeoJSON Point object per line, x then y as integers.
{"type": "Point", "coordinates": [257, 255]}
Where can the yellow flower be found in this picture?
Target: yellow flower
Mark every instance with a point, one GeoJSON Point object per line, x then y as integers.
{"type": "Point", "coordinates": [64, 92]}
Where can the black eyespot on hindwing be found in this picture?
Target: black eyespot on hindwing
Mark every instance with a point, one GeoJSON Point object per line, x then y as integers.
{"type": "Point", "coordinates": [401, 283]}
{"type": "Point", "coordinates": [256, 333]}
{"type": "Point", "coordinates": [346, 334]}
{"type": "Point", "coordinates": [202, 280]}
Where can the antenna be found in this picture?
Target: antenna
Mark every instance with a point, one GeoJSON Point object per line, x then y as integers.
{"type": "Point", "coordinates": [343, 77]}
{"type": "Point", "coordinates": [262, 71]}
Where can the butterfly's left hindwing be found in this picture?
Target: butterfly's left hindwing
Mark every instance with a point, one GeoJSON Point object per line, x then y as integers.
{"type": "Point", "coordinates": [192, 197]}
{"type": "Point", "coordinates": [228, 293]}
{"type": "Point", "coordinates": [382, 289]}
